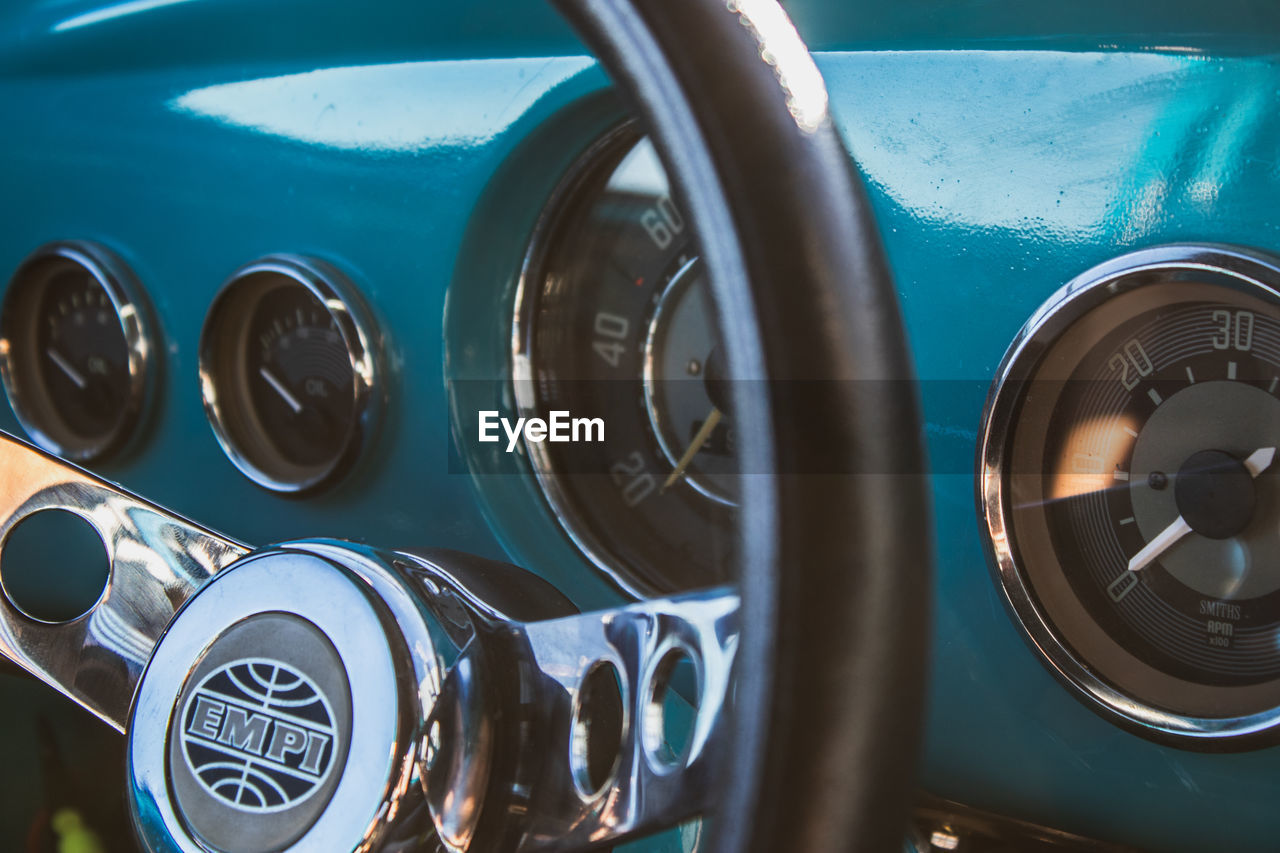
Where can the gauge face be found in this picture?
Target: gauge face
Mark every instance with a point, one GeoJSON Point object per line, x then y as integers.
{"type": "Point", "coordinates": [1132, 491]}
{"type": "Point", "coordinates": [299, 376]}
{"type": "Point", "coordinates": [76, 357]}
{"type": "Point", "coordinates": [615, 321]}
{"type": "Point", "coordinates": [288, 373]}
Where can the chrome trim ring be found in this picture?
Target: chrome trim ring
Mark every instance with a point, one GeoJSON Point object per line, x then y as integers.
{"type": "Point", "coordinates": [616, 142]}
{"type": "Point", "coordinates": [235, 425]}
{"type": "Point", "coordinates": [30, 399]}
{"type": "Point", "coordinates": [1239, 269]}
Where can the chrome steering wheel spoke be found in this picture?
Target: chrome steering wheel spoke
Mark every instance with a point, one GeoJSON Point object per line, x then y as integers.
{"type": "Point", "coordinates": [157, 561]}
{"type": "Point", "coordinates": [318, 694]}
{"type": "Point", "coordinates": [651, 782]}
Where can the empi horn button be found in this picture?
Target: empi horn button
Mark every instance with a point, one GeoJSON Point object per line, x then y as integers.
{"type": "Point", "coordinates": [281, 731]}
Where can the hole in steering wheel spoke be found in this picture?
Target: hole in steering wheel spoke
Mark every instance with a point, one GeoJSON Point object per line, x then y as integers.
{"type": "Point", "coordinates": [599, 730]}
{"type": "Point", "coordinates": [54, 566]}
{"type": "Point", "coordinates": [671, 711]}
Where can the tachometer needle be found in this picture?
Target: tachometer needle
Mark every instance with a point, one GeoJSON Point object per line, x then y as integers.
{"type": "Point", "coordinates": [279, 388]}
{"type": "Point", "coordinates": [1258, 461]}
{"type": "Point", "coordinates": [1161, 543]}
{"type": "Point", "coordinates": [68, 368]}
{"type": "Point", "coordinates": [708, 427]}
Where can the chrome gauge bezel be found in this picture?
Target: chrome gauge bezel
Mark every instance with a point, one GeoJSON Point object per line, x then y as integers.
{"type": "Point", "coordinates": [355, 324]}
{"type": "Point", "coordinates": [613, 144]}
{"type": "Point", "coordinates": [1240, 269]}
{"type": "Point", "coordinates": [28, 397]}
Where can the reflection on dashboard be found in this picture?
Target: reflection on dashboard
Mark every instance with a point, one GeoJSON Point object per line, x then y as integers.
{"type": "Point", "coordinates": [1130, 494]}
{"type": "Point", "coordinates": [614, 320]}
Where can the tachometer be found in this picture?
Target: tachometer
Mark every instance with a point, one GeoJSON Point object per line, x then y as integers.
{"type": "Point", "coordinates": [615, 321]}
{"type": "Point", "coordinates": [1130, 491]}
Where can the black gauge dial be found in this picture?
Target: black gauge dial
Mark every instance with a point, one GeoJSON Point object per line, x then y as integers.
{"type": "Point", "coordinates": [288, 373]}
{"type": "Point", "coordinates": [86, 358]}
{"type": "Point", "coordinates": [1133, 491]}
{"type": "Point", "coordinates": [1171, 450]}
{"type": "Point", "coordinates": [299, 376]}
{"type": "Point", "coordinates": [616, 322]}
{"type": "Point", "coordinates": [76, 358]}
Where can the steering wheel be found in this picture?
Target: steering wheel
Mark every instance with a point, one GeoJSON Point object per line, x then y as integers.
{"type": "Point", "coordinates": [322, 695]}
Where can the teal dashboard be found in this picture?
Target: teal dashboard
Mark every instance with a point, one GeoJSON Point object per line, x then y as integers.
{"type": "Point", "coordinates": [369, 223]}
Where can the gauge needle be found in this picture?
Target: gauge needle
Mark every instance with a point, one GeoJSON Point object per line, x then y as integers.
{"type": "Point", "coordinates": [279, 387]}
{"type": "Point", "coordinates": [1258, 461]}
{"type": "Point", "coordinates": [68, 368]}
{"type": "Point", "coordinates": [708, 426]}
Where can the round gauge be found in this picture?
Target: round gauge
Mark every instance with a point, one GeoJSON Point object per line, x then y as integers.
{"type": "Point", "coordinates": [75, 354]}
{"type": "Point", "coordinates": [288, 373]}
{"type": "Point", "coordinates": [614, 320]}
{"type": "Point", "coordinates": [1131, 490]}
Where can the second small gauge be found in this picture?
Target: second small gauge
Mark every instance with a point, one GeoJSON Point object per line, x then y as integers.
{"type": "Point", "coordinates": [289, 372]}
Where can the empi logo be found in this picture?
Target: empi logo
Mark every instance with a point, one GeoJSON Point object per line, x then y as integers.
{"type": "Point", "coordinates": [258, 735]}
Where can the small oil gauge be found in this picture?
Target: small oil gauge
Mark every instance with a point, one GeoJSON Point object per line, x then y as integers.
{"type": "Point", "coordinates": [288, 372]}
{"type": "Point", "coordinates": [75, 353]}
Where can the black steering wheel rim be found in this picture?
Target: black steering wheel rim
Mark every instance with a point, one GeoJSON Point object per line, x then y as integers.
{"type": "Point", "coordinates": [836, 546]}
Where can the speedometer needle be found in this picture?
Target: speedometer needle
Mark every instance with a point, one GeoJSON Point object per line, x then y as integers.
{"type": "Point", "coordinates": [279, 388]}
{"type": "Point", "coordinates": [708, 427]}
{"type": "Point", "coordinates": [1257, 462]}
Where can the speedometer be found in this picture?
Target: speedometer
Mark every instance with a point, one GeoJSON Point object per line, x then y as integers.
{"type": "Point", "coordinates": [614, 321]}
{"type": "Point", "coordinates": [1130, 489]}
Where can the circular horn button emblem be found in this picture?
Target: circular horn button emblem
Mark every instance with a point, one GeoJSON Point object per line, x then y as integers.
{"type": "Point", "coordinates": [259, 735]}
